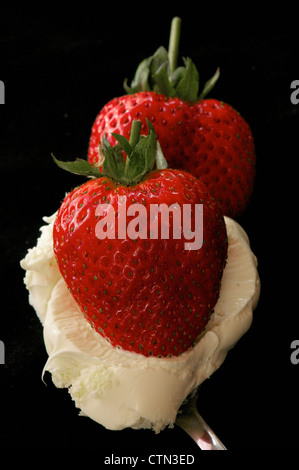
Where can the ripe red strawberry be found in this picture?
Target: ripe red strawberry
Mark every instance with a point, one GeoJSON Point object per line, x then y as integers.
{"type": "Point", "coordinates": [203, 136]}
{"type": "Point", "coordinates": [148, 295]}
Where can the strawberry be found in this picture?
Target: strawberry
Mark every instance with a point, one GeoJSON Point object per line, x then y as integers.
{"type": "Point", "coordinates": [203, 136]}
{"type": "Point", "coordinates": [150, 295]}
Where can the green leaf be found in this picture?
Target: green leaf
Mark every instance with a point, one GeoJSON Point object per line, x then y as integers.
{"type": "Point", "coordinates": [150, 147]}
{"type": "Point", "coordinates": [142, 158]}
{"type": "Point", "coordinates": [123, 143]}
{"type": "Point", "coordinates": [160, 73]}
{"type": "Point", "coordinates": [142, 153]}
{"type": "Point", "coordinates": [187, 88]}
{"type": "Point", "coordinates": [161, 162]}
{"type": "Point", "coordinates": [161, 82]}
{"type": "Point", "coordinates": [110, 164]}
{"type": "Point", "coordinates": [159, 58]}
{"type": "Point", "coordinates": [79, 167]}
{"type": "Point", "coordinates": [119, 159]}
{"type": "Point", "coordinates": [177, 75]}
{"type": "Point", "coordinates": [136, 167]}
{"type": "Point", "coordinates": [140, 81]}
{"type": "Point", "coordinates": [209, 84]}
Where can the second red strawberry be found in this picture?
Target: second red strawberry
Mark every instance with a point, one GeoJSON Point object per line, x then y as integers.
{"type": "Point", "coordinates": [203, 136]}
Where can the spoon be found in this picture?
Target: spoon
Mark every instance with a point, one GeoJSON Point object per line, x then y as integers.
{"type": "Point", "coordinates": [193, 424]}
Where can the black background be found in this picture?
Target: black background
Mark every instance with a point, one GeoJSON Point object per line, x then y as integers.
{"type": "Point", "coordinates": [59, 68]}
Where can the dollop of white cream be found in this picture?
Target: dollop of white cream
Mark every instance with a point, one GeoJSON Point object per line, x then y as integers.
{"type": "Point", "coordinates": [118, 388]}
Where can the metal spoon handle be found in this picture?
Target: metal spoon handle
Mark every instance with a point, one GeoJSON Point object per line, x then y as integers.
{"type": "Point", "coordinates": [194, 425]}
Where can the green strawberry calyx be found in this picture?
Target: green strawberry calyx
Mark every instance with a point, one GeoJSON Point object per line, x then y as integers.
{"type": "Point", "coordinates": [142, 153]}
{"type": "Point", "coordinates": [159, 72]}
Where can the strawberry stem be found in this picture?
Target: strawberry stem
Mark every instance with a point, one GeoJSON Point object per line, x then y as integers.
{"type": "Point", "coordinates": [143, 152]}
{"type": "Point", "coordinates": [159, 72]}
{"type": "Point", "coordinates": [174, 42]}
{"type": "Point", "coordinates": [135, 133]}
{"type": "Point", "coordinates": [134, 139]}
